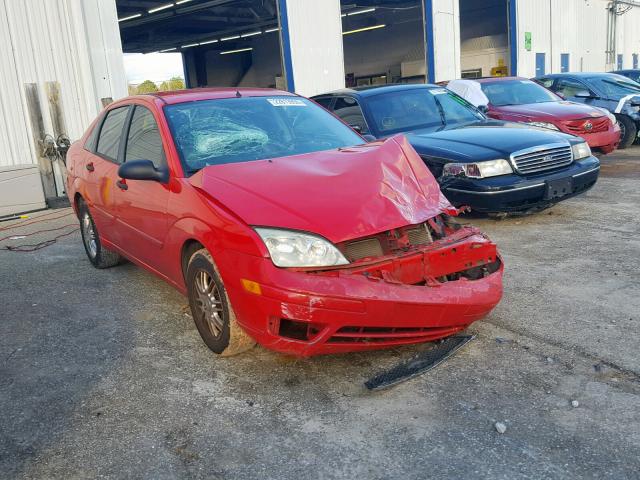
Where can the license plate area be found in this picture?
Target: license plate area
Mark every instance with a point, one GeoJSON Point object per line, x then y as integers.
{"type": "Point", "coordinates": [559, 188]}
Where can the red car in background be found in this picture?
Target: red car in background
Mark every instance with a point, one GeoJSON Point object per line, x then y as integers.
{"type": "Point", "coordinates": [515, 99]}
{"type": "Point", "coordinates": [279, 223]}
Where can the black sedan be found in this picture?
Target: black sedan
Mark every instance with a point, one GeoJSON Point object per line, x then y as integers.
{"type": "Point", "coordinates": [489, 165]}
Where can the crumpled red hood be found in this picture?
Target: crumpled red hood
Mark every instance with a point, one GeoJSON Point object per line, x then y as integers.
{"type": "Point", "coordinates": [339, 194]}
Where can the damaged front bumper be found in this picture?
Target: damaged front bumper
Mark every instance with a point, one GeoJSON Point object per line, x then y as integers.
{"type": "Point", "coordinates": [415, 295]}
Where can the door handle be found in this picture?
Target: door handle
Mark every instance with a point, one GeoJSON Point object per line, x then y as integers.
{"type": "Point", "coordinates": [122, 184]}
{"type": "Point", "coordinates": [89, 166]}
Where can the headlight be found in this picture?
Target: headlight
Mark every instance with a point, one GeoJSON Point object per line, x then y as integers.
{"type": "Point", "coordinates": [491, 168]}
{"type": "Point", "coordinates": [581, 150]}
{"type": "Point", "coordinates": [550, 126]}
{"type": "Point", "coordinates": [609, 115]}
{"type": "Point", "coordinates": [296, 249]}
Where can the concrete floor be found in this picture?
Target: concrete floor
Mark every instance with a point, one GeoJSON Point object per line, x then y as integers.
{"type": "Point", "coordinates": [104, 375]}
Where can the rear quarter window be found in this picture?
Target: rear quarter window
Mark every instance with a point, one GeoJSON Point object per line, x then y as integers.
{"type": "Point", "coordinates": [90, 143]}
{"type": "Point", "coordinates": [111, 133]}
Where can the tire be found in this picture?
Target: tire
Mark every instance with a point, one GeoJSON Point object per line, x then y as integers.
{"type": "Point", "coordinates": [629, 131]}
{"type": "Point", "coordinates": [99, 256]}
{"type": "Point", "coordinates": [211, 309]}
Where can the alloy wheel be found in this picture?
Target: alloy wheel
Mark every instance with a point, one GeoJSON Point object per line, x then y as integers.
{"type": "Point", "coordinates": [209, 302]}
{"type": "Point", "coordinates": [89, 236]}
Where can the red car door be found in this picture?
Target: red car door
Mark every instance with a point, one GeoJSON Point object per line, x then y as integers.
{"type": "Point", "coordinates": [100, 171]}
{"type": "Point", "coordinates": [141, 205]}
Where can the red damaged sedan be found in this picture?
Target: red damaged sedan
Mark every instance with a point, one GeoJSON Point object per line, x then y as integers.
{"type": "Point", "coordinates": [278, 223]}
{"type": "Point", "coordinates": [516, 99]}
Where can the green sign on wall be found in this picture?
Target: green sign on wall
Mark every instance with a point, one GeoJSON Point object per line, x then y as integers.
{"type": "Point", "coordinates": [527, 41]}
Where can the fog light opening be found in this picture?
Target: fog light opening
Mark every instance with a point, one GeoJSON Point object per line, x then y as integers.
{"type": "Point", "coordinates": [296, 330]}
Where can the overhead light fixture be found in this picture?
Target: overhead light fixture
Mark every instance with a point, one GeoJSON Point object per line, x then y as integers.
{"type": "Point", "coordinates": [168, 50]}
{"type": "Point", "coordinates": [130, 17]}
{"type": "Point", "coordinates": [343, 15]}
{"type": "Point", "coordinates": [182, 1]}
{"type": "Point", "coordinates": [161, 7]}
{"type": "Point", "coordinates": [358, 12]}
{"type": "Point", "coordinates": [229, 38]}
{"type": "Point", "coordinates": [365, 29]}
{"type": "Point", "coordinates": [251, 34]}
{"type": "Point", "coordinates": [269, 30]}
{"type": "Point", "coordinates": [236, 51]}
{"type": "Point", "coordinates": [190, 45]}
{"type": "Point", "coordinates": [215, 40]}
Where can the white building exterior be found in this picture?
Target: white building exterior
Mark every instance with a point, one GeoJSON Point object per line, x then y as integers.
{"type": "Point", "coordinates": [579, 29]}
{"type": "Point", "coordinates": [59, 60]}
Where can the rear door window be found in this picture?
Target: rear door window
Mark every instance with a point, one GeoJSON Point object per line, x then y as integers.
{"type": "Point", "coordinates": [568, 87]}
{"type": "Point", "coordinates": [348, 109]}
{"type": "Point", "coordinates": [144, 141]}
{"type": "Point", "coordinates": [546, 82]}
{"type": "Point", "coordinates": [111, 132]}
{"type": "Point", "coordinates": [324, 102]}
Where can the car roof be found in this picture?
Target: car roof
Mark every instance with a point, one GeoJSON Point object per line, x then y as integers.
{"type": "Point", "coordinates": [586, 75]}
{"type": "Point", "coordinates": [496, 79]}
{"type": "Point", "coordinates": [373, 90]}
{"type": "Point", "coordinates": [196, 94]}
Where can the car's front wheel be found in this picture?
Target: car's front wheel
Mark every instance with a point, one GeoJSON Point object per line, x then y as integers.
{"type": "Point", "coordinates": [628, 131]}
{"type": "Point", "coordinates": [99, 256]}
{"type": "Point", "coordinates": [211, 309]}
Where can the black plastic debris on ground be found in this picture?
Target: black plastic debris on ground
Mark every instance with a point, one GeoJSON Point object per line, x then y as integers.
{"type": "Point", "coordinates": [419, 364]}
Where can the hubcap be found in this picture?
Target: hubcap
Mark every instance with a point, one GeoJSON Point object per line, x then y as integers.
{"type": "Point", "coordinates": [208, 301]}
{"type": "Point", "coordinates": [622, 130]}
{"type": "Point", "coordinates": [89, 235]}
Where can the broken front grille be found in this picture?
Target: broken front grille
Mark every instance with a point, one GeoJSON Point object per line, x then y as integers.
{"type": "Point", "coordinates": [391, 241]}
{"type": "Point", "coordinates": [543, 158]}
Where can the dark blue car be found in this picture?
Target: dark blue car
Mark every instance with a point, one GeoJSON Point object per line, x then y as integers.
{"type": "Point", "coordinates": [489, 165]}
{"type": "Point", "coordinates": [616, 93]}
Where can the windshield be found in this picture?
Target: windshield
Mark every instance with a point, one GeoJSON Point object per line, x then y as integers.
{"type": "Point", "coordinates": [419, 108]}
{"type": "Point", "coordinates": [517, 92]}
{"type": "Point", "coordinates": [232, 130]}
{"type": "Point", "coordinates": [616, 85]}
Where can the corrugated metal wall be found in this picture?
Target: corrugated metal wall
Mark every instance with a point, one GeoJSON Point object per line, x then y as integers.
{"type": "Point", "coordinates": [73, 42]}
{"type": "Point", "coordinates": [576, 27]}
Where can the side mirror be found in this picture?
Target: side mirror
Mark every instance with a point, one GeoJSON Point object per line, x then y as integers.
{"type": "Point", "coordinates": [143, 170]}
{"type": "Point", "coordinates": [583, 94]}
{"type": "Point", "coordinates": [369, 138]}
{"type": "Point", "coordinates": [484, 109]}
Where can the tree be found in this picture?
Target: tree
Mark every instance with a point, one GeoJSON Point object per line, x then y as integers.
{"type": "Point", "coordinates": [147, 87]}
{"type": "Point", "coordinates": [174, 83]}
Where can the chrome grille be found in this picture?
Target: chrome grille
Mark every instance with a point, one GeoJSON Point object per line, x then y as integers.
{"type": "Point", "coordinates": [542, 158]}
{"type": "Point", "coordinates": [369, 247]}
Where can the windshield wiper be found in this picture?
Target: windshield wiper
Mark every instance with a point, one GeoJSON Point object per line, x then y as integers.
{"type": "Point", "coordinates": [443, 117]}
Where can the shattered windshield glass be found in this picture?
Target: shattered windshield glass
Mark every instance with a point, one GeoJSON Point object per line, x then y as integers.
{"type": "Point", "coordinates": [231, 130]}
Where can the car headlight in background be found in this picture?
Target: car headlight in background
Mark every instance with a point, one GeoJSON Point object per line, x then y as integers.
{"type": "Point", "coordinates": [547, 125]}
{"type": "Point", "coordinates": [296, 249]}
{"type": "Point", "coordinates": [609, 115]}
{"type": "Point", "coordinates": [581, 150]}
{"type": "Point", "coordinates": [491, 168]}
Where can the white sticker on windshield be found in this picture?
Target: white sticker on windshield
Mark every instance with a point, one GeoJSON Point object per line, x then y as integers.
{"type": "Point", "coordinates": [439, 91]}
{"type": "Point", "coordinates": [286, 102]}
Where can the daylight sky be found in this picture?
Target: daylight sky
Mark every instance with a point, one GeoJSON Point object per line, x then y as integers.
{"type": "Point", "coordinates": [153, 66]}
